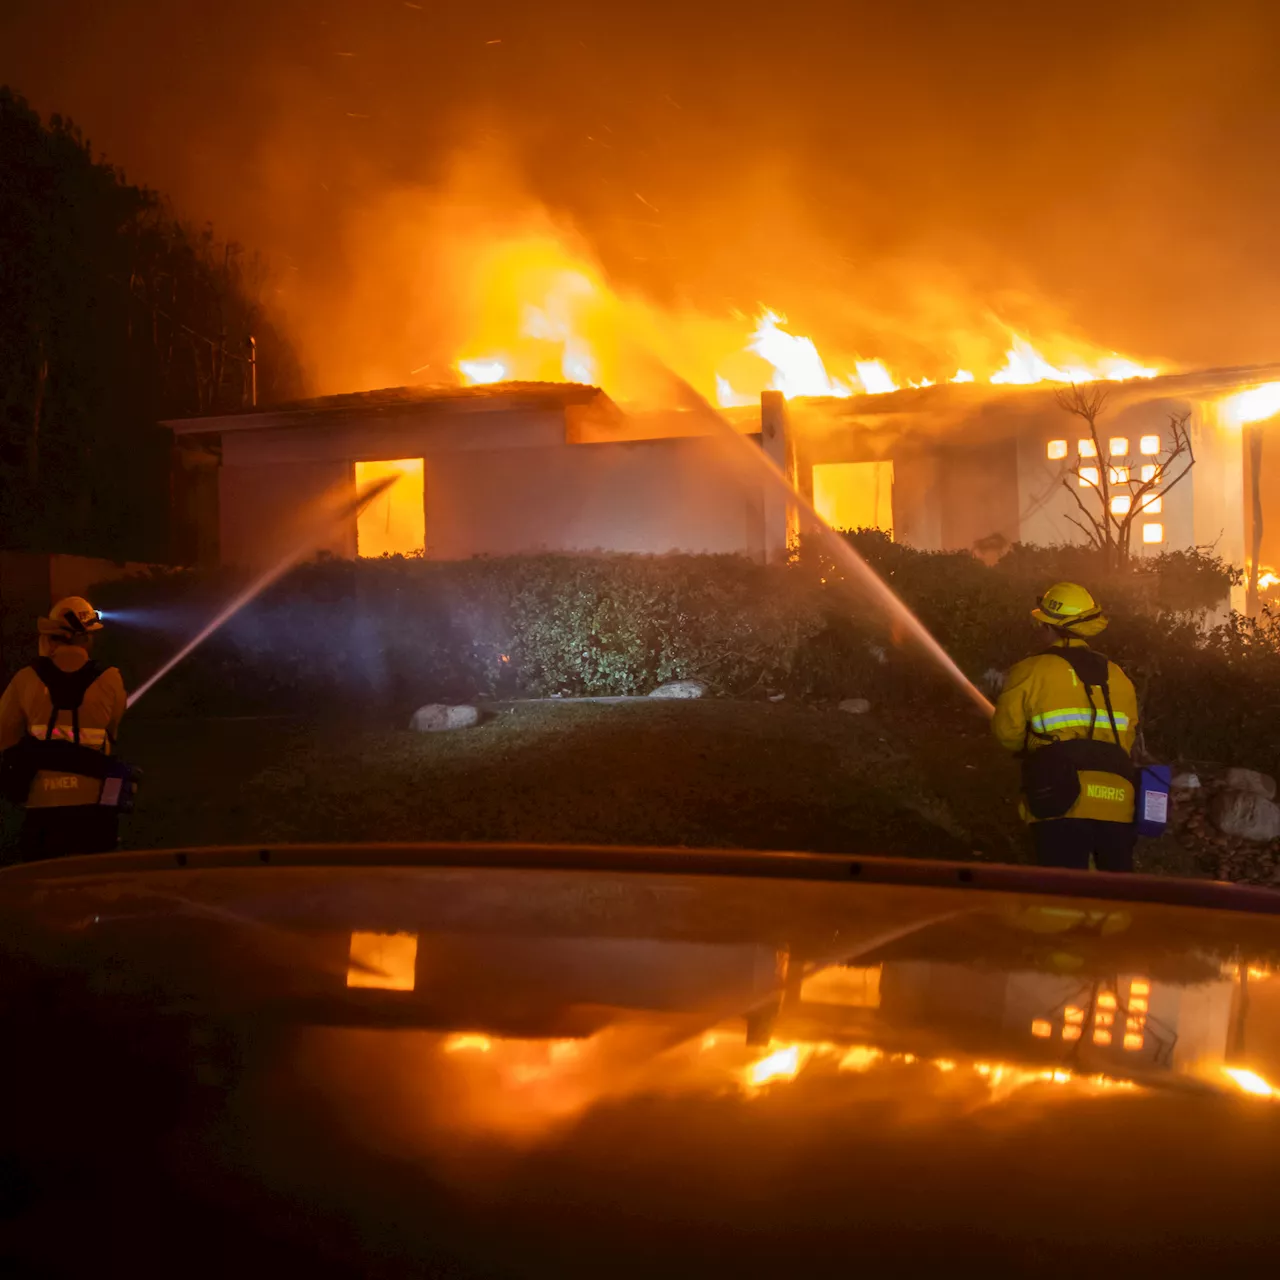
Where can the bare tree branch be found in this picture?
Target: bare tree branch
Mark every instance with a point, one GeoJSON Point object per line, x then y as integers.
{"type": "Point", "coordinates": [1112, 533]}
{"type": "Point", "coordinates": [1078, 525]}
{"type": "Point", "coordinates": [1097, 534]}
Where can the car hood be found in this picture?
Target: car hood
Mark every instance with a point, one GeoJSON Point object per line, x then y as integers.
{"type": "Point", "coordinates": [511, 1060]}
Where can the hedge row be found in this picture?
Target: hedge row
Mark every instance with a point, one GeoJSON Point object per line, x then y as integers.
{"type": "Point", "coordinates": [385, 636]}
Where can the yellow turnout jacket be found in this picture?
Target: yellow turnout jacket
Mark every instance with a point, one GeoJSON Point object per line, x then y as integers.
{"type": "Point", "coordinates": [25, 709]}
{"type": "Point", "coordinates": [1045, 701]}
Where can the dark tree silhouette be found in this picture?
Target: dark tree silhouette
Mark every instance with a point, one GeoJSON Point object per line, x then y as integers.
{"type": "Point", "coordinates": [113, 315]}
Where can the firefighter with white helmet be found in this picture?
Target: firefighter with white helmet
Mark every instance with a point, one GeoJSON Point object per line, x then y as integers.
{"type": "Point", "coordinates": [1072, 716]}
{"type": "Point", "coordinates": [59, 719]}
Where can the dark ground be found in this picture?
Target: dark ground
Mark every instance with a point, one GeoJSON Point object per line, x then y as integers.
{"type": "Point", "coordinates": [704, 773]}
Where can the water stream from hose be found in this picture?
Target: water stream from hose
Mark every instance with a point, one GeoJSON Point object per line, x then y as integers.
{"type": "Point", "coordinates": [323, 522]}
{"type": "Point", "coordinates": [844, 553]}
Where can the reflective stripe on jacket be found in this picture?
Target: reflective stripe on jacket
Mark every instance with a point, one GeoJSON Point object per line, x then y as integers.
{"type": "Point", "coordinates": [1045, 701]}
{"type": "Point", "coordinates": [25, 708]}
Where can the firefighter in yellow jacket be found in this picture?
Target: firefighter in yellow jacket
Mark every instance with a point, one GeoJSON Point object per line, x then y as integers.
{"type": "Point", "coordinates": [1072, 715]}
{"type": "Point", "coordinates": [59, 719]}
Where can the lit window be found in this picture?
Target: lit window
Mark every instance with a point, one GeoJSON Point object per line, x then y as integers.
{"type": "Point", "coordinates": [1073, 1014]}
{"type": "Point", "coordinates": [855, 495]}
{"type": "Point", "coordinates": [1042, 1028]}
{"type": "Point", "coordinates": [1088, 449]}
{"type": "Point", "coordinates": [1071, 1032]}
{"type": "Point", "coordinates": [1153, 504]}
{"type": "Point", "coordinates": [1153, 532]}
{"type": "Point", "coordinates": [1151, 472]}
{"type": "Point", "coordinates": [1138, 1004]}
{"type": "Point", "coordinates": [385, 961]}
{"type": "Point", "coordinates": [1101, 1035]}
{"type": "Point", "coordinates": [855, 988]}
{"type": "Point", "coordinates": [1133, 1040]}
{"type": "Point", "coordinates": [1119, 446]}
{"type": "Point", "coordinates": [1135, 1023]}
{"type": "Point", "coordinates": [1088, 477]}
{"type": "Point", "coordinates": [1150, 445]}
{"type": "Point", "coordinates": [1104, 1018]}
{"type": "Point", "coordinates": [393, 522]}
{"type": "Point", "coordinates": [1120, 505]}
{"type": "Point", "coordinates": [1140, 987]}
{"type": "Point", "coordinates": [1107, 1000]}
{"type": "Point", "coordinates": [1056, 449]}
{"type": "Point", "coordinates": [1118, 475]}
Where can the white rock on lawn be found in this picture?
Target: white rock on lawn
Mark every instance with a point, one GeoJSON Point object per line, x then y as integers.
{"type": "Point", "coordinates": [436, 717]}
{"type": "Point", "coordinates": [855, 706]}
{"type": "Point", "coordinates": [680, 689]}
{"type": "Point", "coordinates": [1251, 780]}
{"type": "Point", "coordinates": [1247, 815]}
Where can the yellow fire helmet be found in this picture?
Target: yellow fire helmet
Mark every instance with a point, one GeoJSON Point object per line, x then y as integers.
{"type": "Point", "coordinates": [71, 616]}
{"type": "Point", "coordinates": [1069, 606]}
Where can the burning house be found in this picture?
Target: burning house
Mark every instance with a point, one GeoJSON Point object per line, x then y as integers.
{"type": "Point", "coordinates": [488, 470]}
{"type": "Point", "coordinates": [511, 467]}
{"type": "Point", "coordinates": [979, 467]}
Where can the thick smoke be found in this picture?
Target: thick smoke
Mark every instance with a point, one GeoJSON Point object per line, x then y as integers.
{"type": "Point", "coordinates": [903, 181]}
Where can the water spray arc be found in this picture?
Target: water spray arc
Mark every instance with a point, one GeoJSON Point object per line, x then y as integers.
{"type": "Point", "coordinates": [880, 592]}
{"type": "Point", "coordinates": [345, 510]}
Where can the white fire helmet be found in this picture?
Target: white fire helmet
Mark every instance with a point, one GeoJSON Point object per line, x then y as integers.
{"type": "Point", "coordinates": [72, 616]}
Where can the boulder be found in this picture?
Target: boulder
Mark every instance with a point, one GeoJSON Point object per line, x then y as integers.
{"type": "Point", "coordinates": [1259, 784]}
{"type": "Point", "coordinates": [436, 717]}
{"type": "Point", "coordinates": [680, 689]}
{"type": "Point", "coordinates": [1247, 815]}
{"type": "Point", "coordinates": [1187, 781]}
{"type": "Point", "coordinates": [855, 706]}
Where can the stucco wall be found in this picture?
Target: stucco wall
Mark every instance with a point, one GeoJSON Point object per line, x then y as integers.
{"type": "Point", "coordinates": [648, 496]}
{"type": "Point", "coordinates": [1217, 483]}
{"type": "Point", "coordinates": [498, 484]}
{"type": "Point", "coordinates": [268, 511]}
{"type": "Point", "coordinates": [404, 436]}
{"type": "Point", "coordinates": [979, 495]}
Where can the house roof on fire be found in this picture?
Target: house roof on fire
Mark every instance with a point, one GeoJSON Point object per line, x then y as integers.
{"type": "Point", "coordinates": [985, 412]}
{"type": "Point", "coordinates": [397, 401]}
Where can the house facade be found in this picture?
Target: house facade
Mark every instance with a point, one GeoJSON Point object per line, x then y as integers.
{"type": "Point", "coordinates": [479, 471]}
{"type": "Point", "coordinates": [528, 467]}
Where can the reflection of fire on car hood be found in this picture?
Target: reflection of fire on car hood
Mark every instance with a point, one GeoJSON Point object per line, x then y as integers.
{"type": "Point", "coordinates": [676, 1038]}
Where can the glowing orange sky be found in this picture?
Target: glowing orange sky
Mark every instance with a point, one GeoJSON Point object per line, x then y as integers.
{"type": "Point", "coordinates": [881, 174]}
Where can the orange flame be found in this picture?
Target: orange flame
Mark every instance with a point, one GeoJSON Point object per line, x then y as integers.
{"type": "Point", "coordinates": [544, 314]}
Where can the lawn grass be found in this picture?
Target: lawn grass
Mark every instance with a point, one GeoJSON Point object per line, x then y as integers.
{"type": "Point", "coordinates": [707, 773]}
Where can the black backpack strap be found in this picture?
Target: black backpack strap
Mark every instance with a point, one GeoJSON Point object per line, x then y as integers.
{"type": "Point", "coordinates": [66, 691]}
{"type": "Point", "coordinates": [1093, 670]}
{"type": "Point", "coordinates": [1111, 715]}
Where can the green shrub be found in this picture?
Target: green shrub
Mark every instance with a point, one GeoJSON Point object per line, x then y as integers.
{"type": "Point", "coordinates": [393, 632]}
{"type": "Point", "coordinates": [1207, 692]}
{"type": "Point", "coordinates": [385, 636]}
